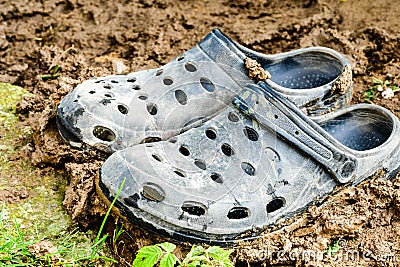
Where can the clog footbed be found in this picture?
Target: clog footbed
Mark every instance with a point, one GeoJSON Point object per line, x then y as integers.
{"type": "Point", "coordinates": [261, 160]}
{"type": "Point", "coordinates": [118, 111]}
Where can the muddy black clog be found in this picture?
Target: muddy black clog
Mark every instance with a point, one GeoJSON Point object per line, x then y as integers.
{"type": "Point", "coordinates": [260, 161]}
{"type": "Point", "coordinates": [114, 112]}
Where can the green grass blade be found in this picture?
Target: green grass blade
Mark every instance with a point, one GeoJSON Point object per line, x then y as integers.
{"type": "Point", "coordinates": [94, 251]}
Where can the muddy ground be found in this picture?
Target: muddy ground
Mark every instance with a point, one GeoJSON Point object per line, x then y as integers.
{"type": "Point", "coordinates": [88, 38]}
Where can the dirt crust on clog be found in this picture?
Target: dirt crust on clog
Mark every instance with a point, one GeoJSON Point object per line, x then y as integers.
{"type": "Point", "coordinates": [256, 71]}
{"type": "Point", "coordinates": [82, 39]}
{"type": "Point", "coordinates": [343, 83]}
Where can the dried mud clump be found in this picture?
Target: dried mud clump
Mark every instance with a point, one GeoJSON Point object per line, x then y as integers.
{"type": "Point", "coordinates": [12, 195]}
{"type": "Point", "coordinates": [256, 71]}
{"type": "Point", "coordinates": [79, 199]}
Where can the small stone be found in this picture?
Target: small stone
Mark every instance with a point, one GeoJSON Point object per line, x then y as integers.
{"type": "Point", "coordinates": [3, 43]}
{"type": "Point", "coordinates": [119, 66]}
{"type": "Point", "coordinates": [388, 93]}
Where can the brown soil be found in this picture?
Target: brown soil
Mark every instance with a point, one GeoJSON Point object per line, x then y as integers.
{"type": "Point", "coordinates": [91, 38]}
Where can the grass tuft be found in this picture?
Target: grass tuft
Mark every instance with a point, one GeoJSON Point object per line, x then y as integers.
{"type": "Point", "coordinates": [17, 250]}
